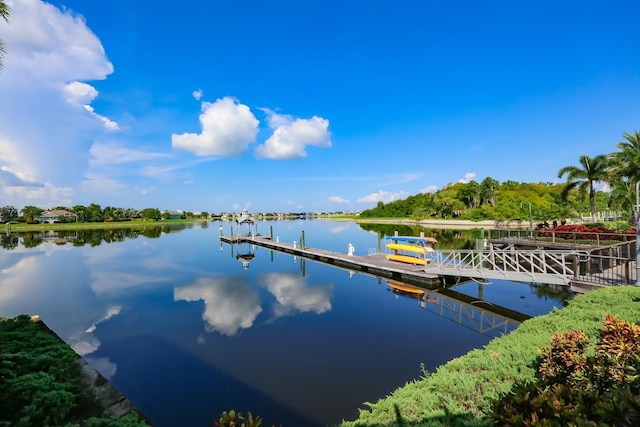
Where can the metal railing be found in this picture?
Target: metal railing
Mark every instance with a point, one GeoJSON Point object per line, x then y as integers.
{"type": "Point", "coordinates": [553, 267]}
{"type": "Point", "coordinates": [606, 266]}
{"type": "Point", "coordinates": [572, 237]}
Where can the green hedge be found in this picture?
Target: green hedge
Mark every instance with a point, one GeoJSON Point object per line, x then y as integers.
{"type": "Point", "coordinates": [41, 381]}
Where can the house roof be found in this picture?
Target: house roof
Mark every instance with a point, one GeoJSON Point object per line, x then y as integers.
{"type": "Point", "coordinates": [55, 213]}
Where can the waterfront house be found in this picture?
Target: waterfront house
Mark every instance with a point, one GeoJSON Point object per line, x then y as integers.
{"type": "Point", "coordinates": [57, 215]}
{"type": "Point", "coordinates": [175, 214]}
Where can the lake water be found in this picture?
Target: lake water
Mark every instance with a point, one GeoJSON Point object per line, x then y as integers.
{"type": "Point", "coordinates": [176, 322]}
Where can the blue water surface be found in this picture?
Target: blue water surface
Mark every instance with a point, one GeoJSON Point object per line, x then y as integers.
{"type": "Point", "coordinates": [179, 325]}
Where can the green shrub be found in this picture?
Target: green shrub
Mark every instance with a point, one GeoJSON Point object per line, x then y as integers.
{"type": "Point", "coordinates": [581, 383]}
{"type": "Point", "coordinates": [41, 381]}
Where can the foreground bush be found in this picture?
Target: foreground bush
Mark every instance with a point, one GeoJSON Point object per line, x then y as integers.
{"type": "Point", "coordinates": [580, 383]}
{"type": "Point", "coordinates": [41, 381]}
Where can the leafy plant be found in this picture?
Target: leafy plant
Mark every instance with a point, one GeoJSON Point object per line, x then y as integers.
{"type": "Point", "coordinates": [579, 383]}
{"type": "Point", "coordinates": [236, 419]}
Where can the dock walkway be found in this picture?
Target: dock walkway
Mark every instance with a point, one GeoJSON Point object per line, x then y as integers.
{"type": "Point", "coordinates": [375, 264]}
{"type": "Point", "coordinates": [580, 271]}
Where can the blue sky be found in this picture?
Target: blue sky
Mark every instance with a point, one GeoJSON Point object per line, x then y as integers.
{"type": "Point", "coordinates": [305, 106]}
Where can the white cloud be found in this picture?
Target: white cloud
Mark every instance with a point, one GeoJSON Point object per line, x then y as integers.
{"type": "Point", "coordinates": [338, 200]}
{"type": "Point", "coordinates": [45, 104]}
{"type": "Point", "coordinates": [56, 196]}
{"type": "Point", "coordinates": [293, 295]}
{"type": "Point", "coordinates": [228, 128]}
{"type": "Point", "coordinates": [95, 183]}
{"type": "Point", "coordinates": [145, 191]}
{"type": "Point", "coordinates": [429, 189]}
{"type": "Point", "coordinates": [291, 136]}
{"type": "Point", "coordinates": [48, 44]}
{"type": "Point", "coordinates": [383, 196]}
{"type": "Point", "coordinates": [469, 176]}
{"type": "Point", "coordinates": [229, 303]}
{"type": "Point", "coordinates": [104, 154]}
{"type": "Point", "coordinates": [197, 94]}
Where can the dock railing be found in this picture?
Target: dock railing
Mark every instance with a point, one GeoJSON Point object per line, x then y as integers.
{"type": "Point", "coordinates": [542, 266]}
{"type": "Point", "coordinates": [607, 266]}
{"type": "Point", "coordinates": [572, 237]}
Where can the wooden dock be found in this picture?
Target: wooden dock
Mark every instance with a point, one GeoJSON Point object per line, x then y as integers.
{"type": "Point", "coordinates": [374, 264]}
{"type": "Point", "coordinates": [584, 277]}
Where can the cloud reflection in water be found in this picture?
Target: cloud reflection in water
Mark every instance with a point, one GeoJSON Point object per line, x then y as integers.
{"type": "Point", "coordinates": [229, 303]}
{"type": "Point", "coordinates": [294, 295]}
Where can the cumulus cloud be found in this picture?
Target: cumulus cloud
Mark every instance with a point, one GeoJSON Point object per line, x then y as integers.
{"type": "Point", "coordinates": [45, 102]}
{"type": "Point", "coordinates": [383, 196]}
{"type": "Point", "coordinates": [291, 136]}
{"type": "Point", "coordinates": [338, 200]}
{"type": "Point", "coordinates": [469, 176]}
{"type": "Point", "coordinates": [228, 127]}
{"type": "Point", "coordinates": [52, 45]}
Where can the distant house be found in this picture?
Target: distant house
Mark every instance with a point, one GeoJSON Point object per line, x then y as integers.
{"type": "Point", "coordinates": [59, 215]}
{"type": "Point", "coordinates": [175, 214]}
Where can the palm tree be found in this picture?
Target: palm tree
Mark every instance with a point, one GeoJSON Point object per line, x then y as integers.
{"type": "Point", "coordinates": [4, 14]}
{"type": "Point", "coordinates": [594, 169]}
{"type": "Point", "coordinates": [627, 160]}
{"type": "Point", "coordinates": [625, 169]}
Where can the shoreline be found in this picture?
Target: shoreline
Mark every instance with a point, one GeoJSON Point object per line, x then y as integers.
{"type": "Point", "coordinates": [452, 224]}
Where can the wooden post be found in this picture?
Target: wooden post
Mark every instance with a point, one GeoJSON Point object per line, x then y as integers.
{"type": "Point", "coordinates": [627, 273]}
{"type": "Point", "coordinates": [271, 233]}
{"type": "Point", "coordinates": [302, 240]}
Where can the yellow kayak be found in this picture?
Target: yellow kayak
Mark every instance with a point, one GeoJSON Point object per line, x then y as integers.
{"type": "Point", "coordinates": [405, 288]}
{"type": "Point", "coordinates": [408, 259]}
{"type": "Point", "coordinates": [408, 248]}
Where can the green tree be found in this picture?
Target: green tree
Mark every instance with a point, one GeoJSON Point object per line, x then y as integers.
{"type": "Point", "coordinates": [131, 213]}
{"type": "Point", "coordinates": [80, 211]}
{"type": "Point", "coordinates": [30, 212]}
{"type": "Point", "coordinates": [93, 213]}
{"type": "Point", "coordinates": [489, 191]}
{"type": "Point", "coordinates": [4, 14]}
{"type": "Point", "coordinates": [625, 168]}
{"type": "Point", "coordinates": [8, 213]}
{"type": "Point", "coordinates": [151, 213]}
{"type": "Point", "coordinates": [469, 193]}
{"type": "Point", "coordinates": [594, 169]}
{"type": "Point", "coordinates": [626, 162]}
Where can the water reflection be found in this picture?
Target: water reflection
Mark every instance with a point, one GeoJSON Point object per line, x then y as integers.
{"type": "Point", "coordinates": [293, 295]}
{"type": "Point", "coordinates": [178, 325]}
{"type": "Point", "coordinates": [230, 304]}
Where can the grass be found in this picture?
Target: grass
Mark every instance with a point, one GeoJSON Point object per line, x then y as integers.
{"type": "Point", "coordinates": [21, 226]}
{"type": "Point", "coordinates": [462, 391]}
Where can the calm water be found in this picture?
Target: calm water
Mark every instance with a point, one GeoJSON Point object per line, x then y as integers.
{"type": "Point", "coordinates": [175, 322]}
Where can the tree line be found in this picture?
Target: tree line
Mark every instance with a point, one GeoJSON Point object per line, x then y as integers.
{"type": "Point", "coordinates": [92, 213]}
{"type": "Point", "coordinates": [510, 200]}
